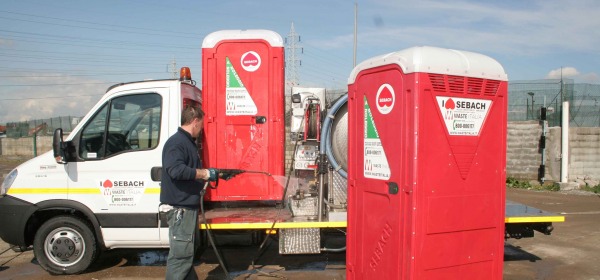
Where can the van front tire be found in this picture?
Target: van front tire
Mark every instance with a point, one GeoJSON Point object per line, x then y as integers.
{"type": "Point", "coordinates": [65, 245]}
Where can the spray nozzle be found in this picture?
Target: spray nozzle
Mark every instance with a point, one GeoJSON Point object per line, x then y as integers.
{"type": "Point", "coordinates": [227, 174]}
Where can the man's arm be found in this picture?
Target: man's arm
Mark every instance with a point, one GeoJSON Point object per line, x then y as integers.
{"type": "Point", "coordinates": [177, 168]}
{"type": "Point", "coordinates": [175, 165]}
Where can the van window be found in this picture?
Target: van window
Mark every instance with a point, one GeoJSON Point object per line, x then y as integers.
{"type": "Point", "coordinates": [125, 123]}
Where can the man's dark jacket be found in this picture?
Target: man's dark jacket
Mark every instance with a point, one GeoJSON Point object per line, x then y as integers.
{"type": "Point", "coordinates": [180, 160]}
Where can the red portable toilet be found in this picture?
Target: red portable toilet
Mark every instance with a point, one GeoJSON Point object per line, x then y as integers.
{"type": "Point", "coordinates": [243, 99]}
{"type": "Point", "coordinates": [426, 166]}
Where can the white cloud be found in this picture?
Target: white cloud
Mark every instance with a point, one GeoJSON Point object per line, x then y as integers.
{"type": "Point", "coordinates": [573, 73]}
{"type": "Point", "coordinates": [565, 72]}
{"type": "Point", "coordinates": [6, 42]}
{"type": "Point", "coordinates": [70, 98]}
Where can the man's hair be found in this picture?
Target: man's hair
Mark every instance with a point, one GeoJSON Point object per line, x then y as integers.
{"type": "Point", "coordinates": [189, 113]}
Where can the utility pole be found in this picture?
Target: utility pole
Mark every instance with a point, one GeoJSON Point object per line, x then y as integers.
{"type": "Point", "coordinates": [292, 61]}
{"type": "Point", "coordinates": [355, 31]}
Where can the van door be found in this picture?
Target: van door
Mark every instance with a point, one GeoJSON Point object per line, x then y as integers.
{"type": "Point", "coordinates": [116, 150]}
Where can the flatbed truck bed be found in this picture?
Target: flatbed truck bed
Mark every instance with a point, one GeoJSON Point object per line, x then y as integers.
{"type": "Point", "coordinates": [521, 220]}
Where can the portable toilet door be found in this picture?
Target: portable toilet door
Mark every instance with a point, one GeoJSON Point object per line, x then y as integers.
{"type": "Point", "coordinates": [243, 93]}
{"type": "Point", "coordinates": [426, 166]}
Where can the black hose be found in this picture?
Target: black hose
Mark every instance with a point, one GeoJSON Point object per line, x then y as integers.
{"type": "Point", "coordinates": [334, 250]}
{"type": "Point", "coordinates": [262, 247]}
{"type": "Point", "coordinates": [209, 233]}
{"type": "Point", "coordinates": [287, 181]}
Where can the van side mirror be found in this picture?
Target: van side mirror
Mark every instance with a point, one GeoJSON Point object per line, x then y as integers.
{"type": "Point", "coordinates": [58, 146]}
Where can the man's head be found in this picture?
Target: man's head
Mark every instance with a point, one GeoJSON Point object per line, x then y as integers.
{"type": "Point", "coordinates": [192, 120]}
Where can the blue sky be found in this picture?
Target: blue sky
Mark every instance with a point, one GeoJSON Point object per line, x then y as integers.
{"type": "Point", "coordinates": [58, 57]}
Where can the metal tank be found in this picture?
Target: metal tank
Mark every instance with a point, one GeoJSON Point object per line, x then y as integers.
{"type": "Point", "coordinates": [335, 146]}
{"type": "Point", "coordinates": [339, 137]}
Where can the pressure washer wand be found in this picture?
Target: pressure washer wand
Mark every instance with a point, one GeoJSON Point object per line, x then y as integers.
{"type": "Point", "coordinates": [227, 174]}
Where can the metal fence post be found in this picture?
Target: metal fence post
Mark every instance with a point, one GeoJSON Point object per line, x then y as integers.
{"type": "Point", "coordinates": [35, 144]}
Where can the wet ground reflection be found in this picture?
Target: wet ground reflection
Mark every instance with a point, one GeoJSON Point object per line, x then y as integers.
{"type": "Point", "coordinates": [152, 258]}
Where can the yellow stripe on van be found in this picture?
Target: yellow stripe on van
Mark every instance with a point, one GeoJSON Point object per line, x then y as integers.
{"type": "Point", "coordinates": [54, 191]}
{"type": "Point", "coordinates": [152, 191]}
{"type": "Point", "coordinates": [68, 191]}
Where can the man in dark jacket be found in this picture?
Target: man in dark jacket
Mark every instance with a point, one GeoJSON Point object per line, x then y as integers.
{"type": "Point", "coordinates": [181, 182]}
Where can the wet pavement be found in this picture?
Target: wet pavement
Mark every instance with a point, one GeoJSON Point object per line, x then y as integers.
{"type": "Point", "coordinates": [573, 249]}
{"type": "Point", "coordinates": [150, 264]}
{"type": "Point", "coordinates": [571, 252]}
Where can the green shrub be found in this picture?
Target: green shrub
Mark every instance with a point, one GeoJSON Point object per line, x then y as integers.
{"type": "Point", "coordinates": [595, 189]}
{"type": "Point", "coordinates": [516, 184]}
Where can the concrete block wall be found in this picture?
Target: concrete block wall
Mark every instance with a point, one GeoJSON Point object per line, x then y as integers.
{"type": "Point", "coordinates": [523, 157]}
{"type": "Point", "coordinates": [584, 153]}
{"type": "Point", "coordinates": [24, 146]}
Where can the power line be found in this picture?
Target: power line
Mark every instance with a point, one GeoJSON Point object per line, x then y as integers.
{"type": "Point", "coordinates": [44, 85]}
{"type": "Point", "coordinates": [326, 57]}
{"type": "Point", "coordinates": [91, 46]}
{"type": "Point", "coordinates": [120, 57]}
{"type": "Point", "coordinates": [49, 97]}
{"type": "Point", "coordinates": [119, 62]}
{"type": "Point", "coordinates": [103, 64]}
{"type": "Point", "coordinates": [168, 32]}
{"type": "Point", "coordinates": [72, 38]}
{"type": "Point", "coordinates": [75, 75]}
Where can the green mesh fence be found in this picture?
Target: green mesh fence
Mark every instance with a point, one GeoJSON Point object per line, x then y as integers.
{"type": "Point", "coordinates": [525, 98]}
{"type": "Point", "coordinates": [40, 126]}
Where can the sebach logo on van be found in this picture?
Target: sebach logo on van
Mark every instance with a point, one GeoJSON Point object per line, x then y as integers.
{"type": "Point", "coordinates": [121, 183]}
{"type": "Point", "coordinates": [122, 192]}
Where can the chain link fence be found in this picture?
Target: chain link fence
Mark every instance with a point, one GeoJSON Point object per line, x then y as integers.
{"type": "Point", "coordinates": [40, 126]}
{"type": "Point", "coordinates": [31, 138]}
{"type": "Point", "coordinates": [525, 99]}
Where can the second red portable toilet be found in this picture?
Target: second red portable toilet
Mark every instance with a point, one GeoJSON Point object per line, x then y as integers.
{"type": "Point", "coordinates": [426, 174]}
{"type": "Point", "coordinates": [242, 91]}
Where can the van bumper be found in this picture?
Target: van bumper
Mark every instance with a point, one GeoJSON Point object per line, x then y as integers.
{"type": "Point", "coordinates": [14, 214]}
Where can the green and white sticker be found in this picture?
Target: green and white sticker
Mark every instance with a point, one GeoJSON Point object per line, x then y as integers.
{"type": "Point", "coordinates": [376, 164]}
{"type": "Point", "coordinates": [238, 101]}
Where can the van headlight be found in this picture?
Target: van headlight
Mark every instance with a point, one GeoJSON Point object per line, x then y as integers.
{"type": "Point", "coordinates": [8, 181]}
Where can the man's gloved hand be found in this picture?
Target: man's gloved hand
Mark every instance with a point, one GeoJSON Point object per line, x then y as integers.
{"type": "Point", "coordinates": [213, 174]}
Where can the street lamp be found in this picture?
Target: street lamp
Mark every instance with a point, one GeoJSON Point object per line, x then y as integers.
{"type": "Point", "coordinates": [532, 105]}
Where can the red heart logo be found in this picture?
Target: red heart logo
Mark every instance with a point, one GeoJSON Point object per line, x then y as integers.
{"type": "Point", "coordinates": [250, 60]}
{"type": "Point", "coordinates": [386, 99]}
{"type": "Point", "coordinates": [107, 184]}
{"type": "Point", "coordinates": [450, 104]}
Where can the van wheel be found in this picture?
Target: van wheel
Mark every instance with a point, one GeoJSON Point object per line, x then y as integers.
{"type": "Point", "coordinates": [65, 245]}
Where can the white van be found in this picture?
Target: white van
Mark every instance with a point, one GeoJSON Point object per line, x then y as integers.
{"type": "Point", "coordinates": [105, 192]}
